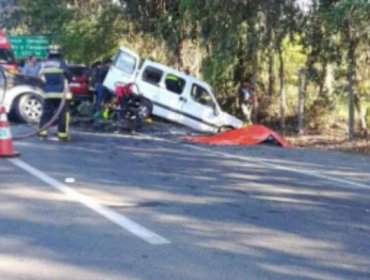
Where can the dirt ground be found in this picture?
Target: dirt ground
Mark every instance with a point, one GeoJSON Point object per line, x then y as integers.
{"type": "Point", "coordinates": [332, 142]}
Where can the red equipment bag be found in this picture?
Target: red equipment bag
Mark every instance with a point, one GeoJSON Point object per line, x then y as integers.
{"type": "Point", "coordinates": [123, 90]}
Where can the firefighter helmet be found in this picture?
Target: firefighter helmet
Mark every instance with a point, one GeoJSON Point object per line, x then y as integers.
{"type": "Point", "coordinates": [54, 51]}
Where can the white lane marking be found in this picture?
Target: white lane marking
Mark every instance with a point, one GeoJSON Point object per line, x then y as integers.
{"type": "Point", "coordinates": [308, 172]}
{"type": "Point", "coordinates": [313, 173]}
{"type": "Point", "coordinates": [109, 214]}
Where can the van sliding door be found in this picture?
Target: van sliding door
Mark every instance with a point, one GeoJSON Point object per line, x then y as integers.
{"type": "Point", "coordinates": [170, 96]}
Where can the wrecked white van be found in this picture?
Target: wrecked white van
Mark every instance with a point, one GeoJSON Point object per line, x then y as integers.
{"type": "Point", "coordinates": [176, 96]}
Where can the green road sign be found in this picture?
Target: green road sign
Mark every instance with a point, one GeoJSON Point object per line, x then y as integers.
{"type": "Point", "coordinates": [24, 46]}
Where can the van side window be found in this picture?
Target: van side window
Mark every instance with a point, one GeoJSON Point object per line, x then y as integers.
{"type": "Point", "coordinates": [174, 83]}
{"type": "Point", "coordinates": [202, 96]}
{"type": "Point", "coordinates": [125, 62]}
{"type": "Point", "coordinates": [152, 75]}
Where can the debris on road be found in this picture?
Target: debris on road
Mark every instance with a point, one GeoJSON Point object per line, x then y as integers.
{"type": "Point", "coordinates": [69, 180]}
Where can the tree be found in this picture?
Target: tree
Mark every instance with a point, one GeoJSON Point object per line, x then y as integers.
{"type": "Point", "coordinates": [44, 17]}
{"type": "Point", "coordinates": [95, 37]}
{"type": "Point", "coordinates": [350, 19]}
{"type": "Point", "coordinates": [8, 13]}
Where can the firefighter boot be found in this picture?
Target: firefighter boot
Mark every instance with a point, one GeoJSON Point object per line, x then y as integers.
{"type": "Point", "coordinates": [62, 136]}
{"type": "Point", "coordinates": [42, 135]}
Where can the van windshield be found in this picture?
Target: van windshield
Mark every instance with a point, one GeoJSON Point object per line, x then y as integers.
{"type": "Point", "coordinates": [6, 56]}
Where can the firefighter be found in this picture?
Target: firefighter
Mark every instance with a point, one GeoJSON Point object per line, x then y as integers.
{"type": "Point", "coordinates": [55, 75]}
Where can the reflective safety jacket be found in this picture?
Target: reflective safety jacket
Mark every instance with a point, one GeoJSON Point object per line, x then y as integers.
{"type": "Point", "coordinates": [55, 80]}
{"type": "Point", "coordinates": [55, 63]}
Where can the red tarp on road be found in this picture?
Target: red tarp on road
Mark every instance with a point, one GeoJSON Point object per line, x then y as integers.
{"type": "Point", "coordinates": [251, 135]}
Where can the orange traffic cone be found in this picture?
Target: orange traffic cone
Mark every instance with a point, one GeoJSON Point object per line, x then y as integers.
{"type": "Point", "coordinates": [6, 142]}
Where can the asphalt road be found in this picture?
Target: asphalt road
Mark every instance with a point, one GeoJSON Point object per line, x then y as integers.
{"type": "Point", "coordinates": [109, 206]}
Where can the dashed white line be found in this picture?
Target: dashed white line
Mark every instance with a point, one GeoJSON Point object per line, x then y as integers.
{"type": "Point", "coordinates": [118, 219]}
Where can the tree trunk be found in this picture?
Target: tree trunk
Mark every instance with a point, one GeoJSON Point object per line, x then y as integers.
{"type": "Point", "coordinates": [282, 92]}
{"type": "Point", "coordinates": [179, 29]}
{"type": "Point", "coordinates": [351, 85]}
{"type": "Point", "coordinates": [309, 66]}
{"type": "Point", "coordinates": [270, 54]}
{"type": "Point", "coordinates": [252, 58]}
{"type": "Point", "coordinates": [255, 65]}
{"type": "Point", "coordinates": [178, 52]}
{"type": "Point", "coordinates": [271, 62]}
{"type": "Point", "coordinates": [361, 114]}
{"type": "Point", "coordinates": [253, 51]}
{"type": "Point", "coordinates": [351, 72]}
{"type": "Point", "coordinates": [329, 80]}
{"type": "Point", "coordinates": [301, 102]}
{"type": "Point", "coordinates": [241, 68]}
{"type": "Point", "coordinates": [322, 79]}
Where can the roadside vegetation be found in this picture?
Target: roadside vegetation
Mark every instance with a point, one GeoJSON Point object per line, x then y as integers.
{"type": "Point", "coordinates": [309, 59]}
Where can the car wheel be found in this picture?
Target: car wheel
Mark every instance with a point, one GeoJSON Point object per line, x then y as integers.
{"type": "Point", "coordinates": [28, 108]}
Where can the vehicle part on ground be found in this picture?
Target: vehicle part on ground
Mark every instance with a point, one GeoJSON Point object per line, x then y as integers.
{"type": "Point", "coordinates": [251, 135]}
{"type": "Point", "coordinates": [225, 129]}
{"type": "Point", "coordinates": [28, 108]}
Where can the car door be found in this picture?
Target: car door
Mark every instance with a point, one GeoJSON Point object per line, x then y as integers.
{"type": "Point", "coordinates": [170, 96]}
{"type": "Point", "coordinates": [123, 70]}
{"type": "Point", "coordinates": [200, 109]}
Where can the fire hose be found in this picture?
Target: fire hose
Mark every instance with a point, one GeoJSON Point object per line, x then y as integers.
{"type": "Point", "coordinates": [44, 127]}
{"type": "Point", "coordinates": [49, 123]}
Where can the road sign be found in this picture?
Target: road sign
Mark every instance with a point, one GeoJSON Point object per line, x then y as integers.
{"type": "Point", "coordinates": [24, 46]}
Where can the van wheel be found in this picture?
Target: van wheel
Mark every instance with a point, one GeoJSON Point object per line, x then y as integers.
{"type": "Point", "coordinates": [28, 108]}
{"type": "Point", "coordinates": [146, 108]}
